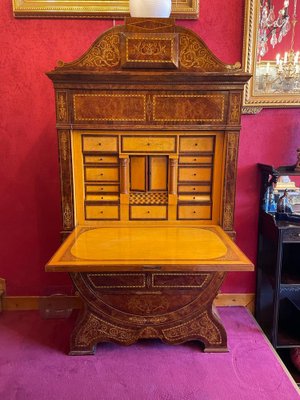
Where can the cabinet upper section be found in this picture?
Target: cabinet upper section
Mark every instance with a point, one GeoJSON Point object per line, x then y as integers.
{"type": "Point", "coordinates": [148, 71]}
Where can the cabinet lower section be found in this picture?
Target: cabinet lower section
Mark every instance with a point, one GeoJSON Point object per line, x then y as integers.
{"type": "Point", "coordinates": [125, 307]}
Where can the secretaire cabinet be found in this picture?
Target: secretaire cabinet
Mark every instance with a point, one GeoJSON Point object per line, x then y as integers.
{"type": "Point", "coordinates": [148, 126]}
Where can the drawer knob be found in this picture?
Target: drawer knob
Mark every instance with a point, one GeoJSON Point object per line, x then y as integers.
{"type": "Point", "coordinates": [148, 212]}
{"type": "Point", "coordinates": [196, 144]}
{"type": "Point", "coordinates": [101, 174]}
{"type": "Point", "coordinates": [148, 144]}
{"type": "Point", "coordinates": [101, 212]}
{"type": "Point", "coordinates": [298, 234]}
{"type": "Point", "coordinates": [194, 212]}
{"type": "Point", "coordinates": [100, 144]}
{"type": "Point", "coordinates": [101, 188]}
{"type": "Point", "coordinates": [195, 174]}
{"type": "Point", "coordinates": [195, 159]}
{"type": "Point", "coordinates": [194, 197]}
{"type": "Point", "coordinates": [100, 159]}
{"type": "Point", "coordinates": [194, 188]}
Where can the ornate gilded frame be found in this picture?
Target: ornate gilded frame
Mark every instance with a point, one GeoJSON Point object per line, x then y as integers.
{"type": "Point", "coordinates": [183, 9]}
{"type": "Point", "coordinates": [253, 102]}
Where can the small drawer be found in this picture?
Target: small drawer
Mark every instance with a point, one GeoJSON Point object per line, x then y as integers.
{"type": "Point", "coordinates": [102, 197]}
{"type": "Point", "coordinates": [192, 144]}
{"type": "Point", "coordinates": [99, 212]}
{"type": "Point", "coordinates": [117, 280]}
{"type": "Point", "coordinates": [100, 144]}
{"type": "Point", "coordinates": [101, 189]}
{"type": "Point", "coordinates": [180, 280]}
{"type": "Point", "coordinates": [148, 212]}
{"type": "Point", "coordinates": [101, 160]}
{"type": "Point", "coordinates": [102, 174]}
{"type": "Point", "coordinates": [194, 174]}
{"type": "Point", "coordinates": [291, 235]}
{"type": "Point", "coordinates": [195, 197]}
{"type": "Point", "coordinates": [194, 188]}
{"type": "Point", "coordinates": [194, 212]}
{"type": "Point", "coordinates": [148, 144]}
{"type": "Point", "coordinates": [195, 159]}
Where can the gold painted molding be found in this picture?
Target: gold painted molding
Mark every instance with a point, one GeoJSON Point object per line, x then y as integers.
{"type": "Point", "coordinates": [27, 303]}
{"type": "Point", "coordinates": [185, 9]}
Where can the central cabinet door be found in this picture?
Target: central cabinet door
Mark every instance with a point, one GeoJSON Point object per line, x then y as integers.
{"type": "Point", "coordinates": [148, 173]}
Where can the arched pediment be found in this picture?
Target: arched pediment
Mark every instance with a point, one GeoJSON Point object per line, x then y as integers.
{"type": "Point", "coordinates": [143, 44]}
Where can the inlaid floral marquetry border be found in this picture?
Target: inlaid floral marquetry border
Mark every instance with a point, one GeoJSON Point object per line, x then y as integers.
{"type": "Point", "coordinates": [112, 9]}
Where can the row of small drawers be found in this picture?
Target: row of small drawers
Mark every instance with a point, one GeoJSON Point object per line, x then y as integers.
{"type": "Point", "coordinates": [185, 174]}
{"type": "Point", "coordinates": [121, 280]}
{"type": "Point", "coordinates": [147, 144]}
{"type": "Point", "coordinates": [138, 212]}
{"type": "Point", "coordinates": [107, 159]}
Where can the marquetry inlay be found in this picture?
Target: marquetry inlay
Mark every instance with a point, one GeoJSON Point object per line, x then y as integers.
{"type": "Point", "coordinates": [189, 108]}
{"type": "Point", "coordinates": [193, 54]}
{"type": "Point", "coordinates": [104, 54]}
{"type": "Point", "coordinates": [151, 48]}
{"type": "Point", "coordinates": [109, 107]}
{"type": "Point", "coordinates": [148, 198]}
{"type": "Point", "coordinates": [235, 106]}
{"type": "Point", "coordinates": [61, 105]}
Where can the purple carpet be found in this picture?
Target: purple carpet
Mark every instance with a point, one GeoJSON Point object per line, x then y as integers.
{"type": "Point", "coordinates": [34, 365]}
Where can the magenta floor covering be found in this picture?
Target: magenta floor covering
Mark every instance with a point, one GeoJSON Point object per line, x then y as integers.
{"type": "Point", "coordinates": [34, 365]}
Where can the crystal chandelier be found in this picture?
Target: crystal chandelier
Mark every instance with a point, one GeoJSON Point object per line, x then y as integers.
{"type": "Point", "coordinates": [284, 74]}
{"type": "Point", "coordinates": [271, 28]}
{"type": "Point", "coordinates": [288, 66]}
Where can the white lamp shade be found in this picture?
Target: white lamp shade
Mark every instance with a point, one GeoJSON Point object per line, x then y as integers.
{"type": "Point", "coordinates": [150, 8]}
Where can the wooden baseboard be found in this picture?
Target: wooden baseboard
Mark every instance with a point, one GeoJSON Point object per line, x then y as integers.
{"type": "Point", "coordinates": [56, 302]}
{"type": "Point", "coordinates": [2, 292]}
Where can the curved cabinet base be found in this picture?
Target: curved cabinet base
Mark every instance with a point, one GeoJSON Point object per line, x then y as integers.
{"type": "Point", "coordinates": [175, 313]}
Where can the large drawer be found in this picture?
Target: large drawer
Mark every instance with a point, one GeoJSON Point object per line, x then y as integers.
{"type": "Point", "coordinates": [148, 144]}
{"type": "Point", "coordinates": [291, 235]}
{"type": "Point", "coordinates": [192, 144]}
{"type": "Point", "coordinates": [194, 212]}
{"type": "Point", "coordinates": [117, 280]}
{"type": "Point", "coordinates": [99, 212]}
{"type": "Point", "coordinates": [148, 212]}
{"type": "Point", "coordinates": [102, 174]}
{"type": "Point", "coordinates": [100, 144]}
{"type": "Point", "coordinates": [194, 174]}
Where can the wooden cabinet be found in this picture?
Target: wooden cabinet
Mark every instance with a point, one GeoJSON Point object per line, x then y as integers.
{"type": "Point", "coordinates": [148, 161]}
{"type": "Point", "coordinates": [278, 275]}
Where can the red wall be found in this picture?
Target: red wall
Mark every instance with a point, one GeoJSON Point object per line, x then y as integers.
{"type": "Point", "coordinates": [30, 202]}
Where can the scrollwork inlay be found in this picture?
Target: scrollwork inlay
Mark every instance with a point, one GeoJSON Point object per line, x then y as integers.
{"type": "Point", "coordinates": [201, 326]}
{"type": "Point", "coordinates": [193, 54]}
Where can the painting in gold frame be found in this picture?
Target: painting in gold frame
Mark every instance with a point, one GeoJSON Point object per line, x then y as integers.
{"type": "Point", "coordinates": [254, 98]}
{"type": "Point", "coordinates": [112, 9]}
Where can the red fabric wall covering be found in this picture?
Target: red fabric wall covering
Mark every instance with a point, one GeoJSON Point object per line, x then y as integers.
{"type": "Point", "coordinates": [30, 202]}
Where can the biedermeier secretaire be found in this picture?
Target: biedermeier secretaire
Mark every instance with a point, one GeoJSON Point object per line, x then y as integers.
{"type": "Point", "coordinates": [148, 126]}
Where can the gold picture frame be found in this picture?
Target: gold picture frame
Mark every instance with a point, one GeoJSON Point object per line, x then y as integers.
{"type": "Point", "coordinates": [110, 9]}
{"type": "Point", "coordinates": [255, 100]}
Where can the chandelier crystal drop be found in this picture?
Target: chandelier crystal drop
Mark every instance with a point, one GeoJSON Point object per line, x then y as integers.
{"type": "Point", "coordinates": [272, 29]}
